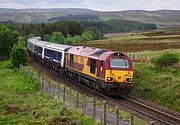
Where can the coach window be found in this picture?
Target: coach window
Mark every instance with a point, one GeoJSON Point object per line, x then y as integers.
{"type": "Point", "coordinates": [38, 49]}
{"type": "Point", "coordinates": [71, 59]}
{"type": "Point", "coordinates": [93, 66]}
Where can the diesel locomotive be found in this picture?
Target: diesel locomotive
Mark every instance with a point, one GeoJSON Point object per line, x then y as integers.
{"type": "Point", "coordinates": [100, 69]}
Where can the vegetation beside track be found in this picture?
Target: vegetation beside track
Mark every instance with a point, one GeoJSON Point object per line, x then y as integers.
{"type": "Point", "coordinates": [22, 103]}
{"type": "Point", "coordinates": [159, 85]}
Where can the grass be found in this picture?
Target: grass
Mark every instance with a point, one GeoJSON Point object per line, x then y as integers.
{"type": "Point", "coordinates": [159, 85]}
{"type": "Point", "coordinates": [21, 103]}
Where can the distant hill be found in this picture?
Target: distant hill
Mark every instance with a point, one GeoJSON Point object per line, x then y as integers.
{"type": "Point", "coordinates": [163, 18]}
{"type": "Point", "coordinates": [40, 15]}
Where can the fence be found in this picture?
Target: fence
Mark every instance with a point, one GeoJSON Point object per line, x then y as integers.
{"type": "Point", "coordinates": [99, 111]}
{"type": "Point", "coordinates": [145, 58]}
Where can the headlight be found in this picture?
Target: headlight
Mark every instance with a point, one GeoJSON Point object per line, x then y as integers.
{"type": "Point", "coordinates": [109, 78]}
{"type": "Point", "coordinates": [129, 79]}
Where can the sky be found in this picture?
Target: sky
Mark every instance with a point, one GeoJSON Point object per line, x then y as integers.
{"type": "Point", "coordinates": [101, 5]}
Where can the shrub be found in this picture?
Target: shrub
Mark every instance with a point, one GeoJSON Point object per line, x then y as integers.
{"type": "Point", "coordinates": [7, 39]}
{"type": "Point", "coordinates": [166, 59]}
{"type": "Point", "coordinates": [19, 54]}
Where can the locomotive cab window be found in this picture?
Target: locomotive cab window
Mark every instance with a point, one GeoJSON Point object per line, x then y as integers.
{"type": "Point", "coordinates": [93, 66]}
{"type": "Point", "coordinates": [119, 63]}
{"type": "Point", "coordinates": [71, 61]}
{"type": "Point", "coordinates": [102, 63]}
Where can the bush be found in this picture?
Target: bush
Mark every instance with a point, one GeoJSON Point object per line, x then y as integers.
{"type": "Point", "coordinates": [19, 54]}
{"type": "Point", "coordinates": [166, 59]}
{"type": "Point", "coordinates": [7, 39]}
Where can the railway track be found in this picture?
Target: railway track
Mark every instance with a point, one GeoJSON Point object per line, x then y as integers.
{"type": "Point", "coordinates": [147, 112]}
{"type": "Point", "coordinates": [154, 113]}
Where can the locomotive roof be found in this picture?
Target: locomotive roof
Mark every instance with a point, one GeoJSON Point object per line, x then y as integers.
{"type": "Point", "coordinates": [58, 46]}
{"type": "Point", "coordinates": [90, 52]}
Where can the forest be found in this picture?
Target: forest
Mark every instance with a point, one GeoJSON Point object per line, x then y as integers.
{"type": "Point", "coordinates": [116, 25]}
{"type": "Point", "coordinates": [64, 32]}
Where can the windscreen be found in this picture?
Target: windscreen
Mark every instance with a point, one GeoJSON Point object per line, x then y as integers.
{"type": "Point", "coordinates": [119, 63]}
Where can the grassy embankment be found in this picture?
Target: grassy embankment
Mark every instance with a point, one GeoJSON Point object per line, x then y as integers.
{"type": "Point", "coordinates": [22, 103]}
{"type": "Point", "coordinates": [159, 85]}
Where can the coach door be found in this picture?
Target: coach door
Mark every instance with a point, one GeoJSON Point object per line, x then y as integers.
{"type": "Point", "coordinates": [93, 66]}
{"type": "Point", "coordinates": [71, 60]}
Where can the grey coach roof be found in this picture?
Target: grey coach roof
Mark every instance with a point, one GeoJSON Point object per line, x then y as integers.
{"type": "Point", "coordinates": [37, 41]}
{"type": "Point", "coordinates": [40, 43]}
{"type": "Point", "coordinates": [58, 46]}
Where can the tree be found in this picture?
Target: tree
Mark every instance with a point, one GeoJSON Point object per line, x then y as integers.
{"type": "Point", "coordinates": [47, 37]}
{"type": "Point", "coordinates": [30, 35]}
{"type": "Point", "coordinates": [7, 39]}
{"type": "Point", "coordinates": [69, 39]}
{"type": "Point", "coordinates": [57, 37]}
{"type": "Point", "coordinates": [88, 35]}
{"type": "Point", "coordinates": [19, 53]}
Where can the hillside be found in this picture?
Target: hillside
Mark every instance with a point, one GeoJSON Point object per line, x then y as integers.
{"type": "Point", "coordinates": [39, 15]}
{"type": "Point", "coordinates": [163, 18]}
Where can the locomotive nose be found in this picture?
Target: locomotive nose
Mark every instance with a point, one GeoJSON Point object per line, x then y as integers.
{"type": "Point", "coordinates": [119, 76]}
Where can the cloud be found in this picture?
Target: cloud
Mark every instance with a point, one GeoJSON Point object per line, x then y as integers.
{"type": "Point", "coordinates": [93, 4]}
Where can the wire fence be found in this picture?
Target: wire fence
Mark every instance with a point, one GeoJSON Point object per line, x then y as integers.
{"type": "Point", "coordinates": [74, 100]}
{"type": "Point", "coordinates": [145, 58]}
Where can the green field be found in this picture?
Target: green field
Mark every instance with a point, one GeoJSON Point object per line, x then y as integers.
{"type": "Point", "coordinates": [21, 103]}
{"type": "Point", "coordinates": [135, 42]}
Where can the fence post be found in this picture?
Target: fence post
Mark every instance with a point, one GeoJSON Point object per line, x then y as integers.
{"type": "Point", "coordinates": [64, 94]}
{"type": "Point", "coordinates": [49, 87]}
{"type": "Point", "coordinates": [77, 99]}
{"type": "Point", "coordinates": [117, 115]}
{"type": "Point", "coordinates": [104, 112]}
{"type": "Point", "coordinates": [70, 97]}
{"type": "Point", "coordinates": [133, 57]}
{"type": "Point", "coordinates": [84, 104]}
{"type": "Point", "coordinates": [44, 86]}
{"type": "Point", "coordinates": [40, 82]}
{"type": "Point", "coordinates": [145, 56]}
{"type": "Point", "coordinates": [94, 108]}
{"type": "Point", "coordinates": [131, 119]}
{"type": "Point", "coordinates": [58, 90]}
{"type": "Point", "coordinates": [53, 91]}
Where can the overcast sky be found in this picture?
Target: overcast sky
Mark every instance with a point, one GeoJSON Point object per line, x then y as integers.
{"type": "Point", "coordinates": [103, 5]}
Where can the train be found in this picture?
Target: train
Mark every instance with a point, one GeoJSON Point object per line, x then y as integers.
{"type": "Point", "coordinates": [103, 70]}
